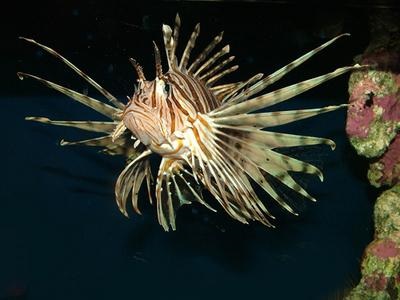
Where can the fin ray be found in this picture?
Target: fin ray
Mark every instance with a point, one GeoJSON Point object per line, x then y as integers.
{"type": "Point", "coordinates": [203, 55]}
{"type": "Point", "coordinates": [280, 95]}
{"type": "Point", "coordinates": [94, 104]}
{"type": "Point", "coordinates": [95, 126]}
{"type": "Point", "coordinates": [126, 180]}
{"type": "Point", "coordinates": [189, 46]}
{"type": "Point", "coordinates": [276, 118]}
{"type": "Point", "coordinates": [277, 75]}
{"type": "Point", "coordinates": [103, 91]}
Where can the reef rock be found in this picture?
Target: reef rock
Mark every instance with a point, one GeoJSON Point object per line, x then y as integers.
{"type": "Point", "coordinates": [373, 117]}
{"type": "Point", "coordinates": [373, 128]}
{"type": "Point", "coordinates": [380, 267]}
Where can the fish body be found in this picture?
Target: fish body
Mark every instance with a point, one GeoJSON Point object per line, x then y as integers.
{"type": "Point", "coordinates": [208, 134]}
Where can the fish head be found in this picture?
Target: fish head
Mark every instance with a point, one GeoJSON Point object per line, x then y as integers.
{"type": "Point", "coordinates": [143, 114]}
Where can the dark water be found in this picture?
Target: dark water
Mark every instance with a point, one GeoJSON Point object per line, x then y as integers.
{"type": "Point", "coordinates": [62, 236]}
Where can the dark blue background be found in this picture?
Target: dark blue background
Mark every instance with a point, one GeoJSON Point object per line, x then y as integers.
{"type": "Point", "coordinates": [62, 236]}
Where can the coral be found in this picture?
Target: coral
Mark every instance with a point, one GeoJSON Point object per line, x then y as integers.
{"type": "Point", "coordinates": [374, 112]}
{"type": "Point", "coordinates": [373, 125]}
{"type": "Point", "coordinates": [373, 116]}
{"type": "Point", "coordinates": [380, 267]}
{"type": "Point", "coordinates": [386, 171]}
{"type": "Point", "coordinates": [387, 213]}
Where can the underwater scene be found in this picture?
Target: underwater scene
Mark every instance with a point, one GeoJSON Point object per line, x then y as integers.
{"type": "Point", "coordinates": [200, 150]}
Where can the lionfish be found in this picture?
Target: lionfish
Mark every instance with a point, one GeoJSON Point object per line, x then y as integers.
{"type": "Point", "coordinates": [205, 133]}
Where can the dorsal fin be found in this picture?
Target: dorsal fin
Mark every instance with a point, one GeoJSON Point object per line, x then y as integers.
{"type": "Point", "coordinates": [157, 57]}
{"type": "Point", "coordinates": [139, 69]}
{"type": "Point", "coordinates": [211, 61]}
{"type": "Point", "coordinates": [171, 41]}
{"type": "Point", "coordinates": [175, 36]}
{"type": "Point", "coordinates": [204, 54]}
{"type": "Point", "coordinates": [189, 46]}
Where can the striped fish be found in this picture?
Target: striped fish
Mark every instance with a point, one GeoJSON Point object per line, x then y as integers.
{"type": "Point", "coordinates": [206, 133]}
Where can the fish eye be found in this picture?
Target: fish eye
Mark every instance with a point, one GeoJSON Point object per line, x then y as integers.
{"type": "Point", "coordinates": [167, 87]}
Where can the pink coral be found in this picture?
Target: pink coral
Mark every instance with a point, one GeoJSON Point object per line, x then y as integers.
{"type": "Point", "coordinates": [378, 87]}
{"type": "Point", "coordinates": [391, 105]}
{"type": "Point", "coordinates": [377, 282]}
{"type": "Point", "coordinates": [390, 173]}
{"type": "Point", "coordinates": [383, 249]}
{"type": "Point", "coordinates": [360, 115]}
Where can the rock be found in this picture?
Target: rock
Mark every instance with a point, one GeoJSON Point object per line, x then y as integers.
{"type": "Point", "coordinates": [380, 267]}
{"type": "Point", "coordinates": [386, 171]}
{"type": "Point", "coordinates": [373, 116]}
{"type": "Point", "coordinates": [373, 126]}
{"type": "Point", "coordinates": [387, 213]}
